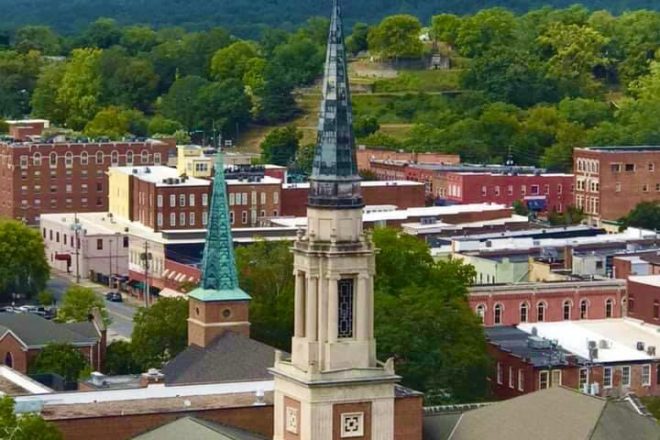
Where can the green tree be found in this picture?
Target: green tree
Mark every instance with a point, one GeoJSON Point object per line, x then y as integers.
{"type": "Point", "coordinates": [18, 75]}
{"type": "Point", "coordinates": [138, 39]}
{"type": "Point", "coordinates": [102, 33]}
{"type": "Point", "coordinates": [80, 89]}
{"type": "Point", "coordinates": [305, 158]}
{"type": "Point", "coordinates": [119, 359]}
{"type": "Point", "coordinates": [587, 112]}
{"type": "Point", "coordinates": [44, 99]}
{"type": "Point", "coordinates": [181, 103]}
{"type": "Point", "coordinates": [520, 208]}
{"type": "Point", "coordinates": [24, 427]}
{"type": "Point", "coordinates": [397, 36]}
{"type": "Point", "coordinates": [114, 122]}
{"type": "Point", "coordinates": [23, 265]}
{"type": "Point", "coordinates": [40, 38]}
{"type": "Point", "coordinates": [275, 102]}
{"type": "Point", "coordinates": [280, 146]}
{"type": "Point", "coordinates": [127, 82]}
{"type": "Point", "coordinates": [648, 86]}
{"type": "Point", "coordinates": [300, 61]}
{"type": "Point", "coordinates": [224, 105]}
{"type": "Point", "coordinates": [445, 27]}
{"type": "Point", "coordinates": [265, 272]}
{"type": "Point", "coordinates": [46, 298]}
{"type": "Point", "coordinates": [78, 303]}
{"type": "Point", "coordinates": [645, 215]}
{"type": "Point", "coordinates": [231, 62]}
{"type": "Point", "coordinates": [487, 29]}
{"type": "Point", "coordinates": [63, 359]}
{"type": "Point", "coordinates": [160, 332]}
{"type": "Point", "coordinates": [365, 125]}
{"type": "Point", "coordinates": [357, 41]}
{"type": "Point", "coordinates": [161, 125]}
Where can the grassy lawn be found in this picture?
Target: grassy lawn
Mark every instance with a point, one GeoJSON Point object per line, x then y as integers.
{"type": "Point", "coordinates": [653, 405]}
{"type": "Point", "coordinates": [420, 81]}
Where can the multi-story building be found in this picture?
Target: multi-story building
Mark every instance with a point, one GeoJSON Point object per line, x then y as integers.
{"type": "Point", "coordinates": [27, 129]}
{"type": "Point", "coordinates": [42, 178]}
{"type": "Point", "coordinates": [611, 181]}
{"type": "Point", "coordinates": [539, 191]}
{"type": "Point", "coordinates": [644, 298]}
{"type": "Point", "coordinates": [366, 156]}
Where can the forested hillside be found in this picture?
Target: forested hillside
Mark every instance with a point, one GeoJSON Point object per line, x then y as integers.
{"type": "Point", "coordinates": [246, 18]}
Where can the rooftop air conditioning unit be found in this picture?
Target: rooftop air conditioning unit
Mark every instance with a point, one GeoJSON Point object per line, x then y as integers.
{"type": "Point", "coordinates": [603, 343]}
{"type": "Point", "coordinates": [640, 346]}
{"type": "Point", "coordinates": [650, 350]}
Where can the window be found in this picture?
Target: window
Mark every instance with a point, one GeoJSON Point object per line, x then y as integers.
{"type": "Point", "coordinates": [276, 198]}
{"type": "Point", "coordinates": [263, 198]}
{"type": "Point", "coordinates": [182, 200]}
{"type": "Point", "coordinates": [159, 219]}
{"type": "Point", "coordinates": [144, 157]}
{"type": "Point", "coordinates": [511, 378]}
{"type": "Point", "coordinates": [172, 219]}
{"type": "Point", "coordinates": [275, 213]}
{"type": "Point", "coordinates": [656, 309]}
{"type": "Point", "coordinates": [617, 187]}
{"type": "Point", "coordinates": [534, 190]}
{"type": "Point", "coordinates": [615, 167]}
{"type": "Point", "coordinates": [57, 237]}
{"type": "Point", "coordinates": [543, 380]}
{"type": "Point", "coordinates": [231, 199]}
{"type": "Point", "coordinates": [352, 425]}
{"type": "Point", "coordinates": [114, 158]}
{"type": "Point", "coordinates": [83, 187]}
{"type": "Point", "coordinates": [583, 309]}
{"type": "Point", "coordinates": [484, 191]}
{"type": "Point", "coordinates": [24, 161]}
{"type": "Point", "coordinates": [657, 187]}
{"type": "Point", "coordinates": [523, 189]}
{"type": "Point", "coordinates": [607, 377]}
{"type": "Point", "coordinates": [68, 159]}
{"type": "Point", "coordinates": [567, 310]}
{"type": "Point", "coordinates": [172, 200]}
{"type": "Point", "coordinates": [191, 219]}
{"type": "Point", "coordinates": [125, 241]}
{"type": "Point", "coordinates": [159, 201]}
{"type": "Point", "coordinates": [609, 305]}
{"type": "Point", "coordinates": [205, 217]}
{"type": "Point", "coordinates": [345, 308]}
{"type": "Point", "coordinates": [69, 188]}
{"type": "Point", "coordinates": [509, 190]}
{"type": "Point", "coordinates": [559, 188]}
{"type": "Point", "coordinates": [182, 218]}
{"type": "Point", "coordinates": [129, 158]}
{"type": "Point", "coordinates": [244, 217]}
{"type": "Point", "coordinates": [497, 314]}
{"type": "Point", "coordinates": [521, 380]}
{"type": "Point", "coordinates": [555, 375]}
{"type": "Point", "coordinates": [546, 189]}
{"type": "Point", "coordinates": [625, 376]}
{"type": "Point", "coordinates": [651, 166]}
{"type": "Point", "coordinates": [646, 375]}
{"type": "Point", "coordinates": [540, 312]}
{"type": "Point", "coordinates": [99, 244]}
{"type": "Point", "coordinates": [245, 199]}
{"type": "Point", "coordinates": [583, 378]}
{"type": "Point", "coordinates": [499, 373]}
{"type": "Point", "coordinates": [630, 167]}
{"type": "Point", "coordinates": [36, 159]}
{"type": "Point", "coordinates": [205, 199]}
{"type": "Point", "coordinates": [156, 158]}
{"type": "Point", "coordinates": [254, 197]}
{"type": "Point", "coordinates": [84, 158]}
{"type": "Point", "coordinates": [524, 310]}
{"type": "Point", "coordinates": [481, 312]}
{"type": "Point", "coordinates": [99, 157]}
{"type": "Point", "coordinates": [191, 200]}
{"type": "Point", "coordinates": [52, 159]}
{"type": "Point", "coordinates": [631, 303]}
{"type": "Point", "coordinates": [645, 188]}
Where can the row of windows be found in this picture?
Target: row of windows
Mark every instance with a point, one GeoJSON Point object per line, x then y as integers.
{"type": "Point", "coordinates": [541, 310]}
{"type": "Point", "coordinates": [190, 218]}
{"type": "Point", "coordinates": [626, 376]}
{"type": "Point", "coordinates": [83, 201]}
{"type": "Point", "coordinates": [644, 188]}
{"type": "Point", "coordinates": [182, 200]}
{"type": "Point", "coordinates": [590, 205]}
{"type": "Point", "coordinates": [629, 167]}
{"type": "Point", "coordinates": [99, 158]}
{"type": "Point", "coordinates": [588, 165]}
{"type": "Point", "coordinates": [69, 239]}
{"type": "Point", "coordinates": [68, 188]}
{"type": "Point", "coordinates": [533, 190]}
{"type": "Point", "coordinates": [54, 174]}
{"type": "Point", "coordinates": [242, 198]}
{"type": "Point", "coordinates": [590, 185]}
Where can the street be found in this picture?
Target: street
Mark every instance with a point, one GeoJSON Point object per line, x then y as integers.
{"type": "Point", "coordinates": [120, 313]}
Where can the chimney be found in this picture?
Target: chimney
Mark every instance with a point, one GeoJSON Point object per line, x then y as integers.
{"type": "Point", "coordinates": [568, 257]}
{"type": "Point", "coordinates": [152, 376]}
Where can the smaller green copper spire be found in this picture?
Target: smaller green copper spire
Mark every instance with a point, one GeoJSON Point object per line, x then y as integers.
{"type": "Point", "coordinates": [219, 277]}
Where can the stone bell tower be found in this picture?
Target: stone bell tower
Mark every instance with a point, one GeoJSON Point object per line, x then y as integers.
{"type": "Point", "coordinates": [333, 387]}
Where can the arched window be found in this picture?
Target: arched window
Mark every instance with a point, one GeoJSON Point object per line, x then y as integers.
{"type": "Point", "coordinates": [114, 158]}
{"type": "Point", "coordinates": [540, 311]}
{"type": "Point", "coordinates": [524, 312]}
{"type": "Point", "coordinates": [84, 158]}
{"type": "Point", "coordinates": [609, 307]}
{"type": "Point", "coordinates": [156, 158]}
{"type": "Point", "coordinates": [566, 307]}
{"type": "Point", "coordinates": [52, 159]}
{"type": "Point", "coordinates": [144, 157]}
{"type": "Point", "coordinates": [9, 360]}
{"type": "Point", "coordinates": [129, 158]}
{"type": "Point", "coordinates": [68, 159]}
{"type": "Point", "coordinates": [99, 157]}
{"type": "Point", "coordinates": [497, 314]}
{"type": "Point", "coordinates": [583, 309]}
{"type": "Point", "coordinates": [481, 312]}
{"type": "Point", "coordinates": [36, 159]}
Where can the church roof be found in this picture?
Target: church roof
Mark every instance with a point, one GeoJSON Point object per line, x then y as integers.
{"type": "Point", "coordinates": [231, 357]}
{"type": "Point", "coordinates": [35, 331]}
{"type": "Point", "coordinates": [219, 280]}
{"type": "Point", "coordinates": [198, 429]}
{"type": "Point", "coordinates": [334, 182]}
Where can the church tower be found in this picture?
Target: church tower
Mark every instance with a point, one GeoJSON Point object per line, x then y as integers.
{"type": "Point", "coordinates": [332, 387]}
{"type": "Point", "coordinates": [218, 305]}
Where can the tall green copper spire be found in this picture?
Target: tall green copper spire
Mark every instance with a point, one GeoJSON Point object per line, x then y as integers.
{"type": "Point", "coordinates": [335, 182]}
{"type": "Point", "coordinates": [219, 277]}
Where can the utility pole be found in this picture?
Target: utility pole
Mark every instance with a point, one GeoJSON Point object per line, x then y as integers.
{"type": "Point", "coordinates": [146, 256]}
{"type": "Point", "coordinates": [76, 230]}
{"type": "Point", "coordinates": [110, 268]}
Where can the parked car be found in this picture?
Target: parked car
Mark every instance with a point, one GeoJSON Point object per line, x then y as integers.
{"type": "Point", "coordinates": [114, 297]}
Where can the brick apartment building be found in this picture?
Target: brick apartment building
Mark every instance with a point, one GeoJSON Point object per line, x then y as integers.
{"type": "Point", "coordinates": [161, 199]}
{"type": "Point", "coordinates": [540, 191]}
{"type": "Point", "coordinates": [502, 305]}
{"type": "Point", "coordinates": [367, 155]}
{"type": "Point", "coordinates": [611, 181]}
{"type": "Point", "coordinates": [644, 298]}
{"type": "Point", "coordinates": [41, 178]}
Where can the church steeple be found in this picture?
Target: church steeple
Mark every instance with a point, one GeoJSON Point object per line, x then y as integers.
{"type": "Point", "coordinates": [335, 182]}
{"type": "Point", "coordinates": [218, 304]}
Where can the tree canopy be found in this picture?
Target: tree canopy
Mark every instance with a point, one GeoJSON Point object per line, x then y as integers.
{"type": "Point", "coordinates": [645, 215]}
{"type": "Point", "coordinates": [23, 265]}
{"type": "Point", "coordinates": [78, 303]}
{"type": "Point", "coordinates": [280, 146]}
{"type": "Point", "coordinates": [25, 426]}
{"type": "Point", "coordinates": [63, 359]}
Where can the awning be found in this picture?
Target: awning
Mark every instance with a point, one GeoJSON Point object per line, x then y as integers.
{"type": "Point", "coordinates": [63, 257]}
{"type": "Point", "coordinates": [171, 293]}
{"type": "Point", "coordinates": [536, 203]}
{"type": "Point", "coordinates": [165, 272]}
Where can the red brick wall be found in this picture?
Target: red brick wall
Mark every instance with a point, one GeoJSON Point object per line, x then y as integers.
{"type": "Point", "coordinates": [9, 344]}
{"type": "Point", "coordinates": [554, 300]}
{"type": "Point", "coordinates": [244, 214]}
{"type": "Point", "coordinates": [258, 419]}
{"type": "Point", "coordinates": [642, 297]}
{"type": "Point", "coordinates": [408, 418]}
{"type": "Point", "coordinates": [366, 155]}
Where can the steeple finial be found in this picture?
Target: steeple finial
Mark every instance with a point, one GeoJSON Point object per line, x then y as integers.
{"type": "Point", "coordinates": [335, 182]}
{"type": "Point", "coordinates": [219, 276]}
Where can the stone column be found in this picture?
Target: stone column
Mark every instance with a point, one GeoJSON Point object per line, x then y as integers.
{"type": "Point", "coordinates": [310, 321]}
{"type": "Point", "coordinates": [362, 311]}
{"type": "Point", "coordinates": [333, 308]}
{"type": "Point", "coordinates": [299, 306]}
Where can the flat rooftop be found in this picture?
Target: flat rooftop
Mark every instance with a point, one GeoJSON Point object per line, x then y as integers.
{"type": "Point", "coordinates": [160, 175]}
{"type": "Point", "coordinates": [622, 336]}
{"type": "Point", "coordinates": [363, 184]}
{"type": "Point", "coordinates": [624, 148]}
{"type": "Point", "coordinates": [649, 280]}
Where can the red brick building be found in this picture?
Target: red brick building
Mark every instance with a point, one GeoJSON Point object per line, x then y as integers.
{"type": "Point", "coordinates": [26, 129]}
{"type": "Point", "coordinates": [543, 192]}
{"type": "Point", "coordinates": [644, 298]}
{"type": "Point", "coordinates": [611, 181]}
{"type": "Point", "coordinates": [547, 302]}
{"type": "Point", "coordinates": [367, 155]}
{"type": "Point", "coordinates": [403, 194]}
{"type": "Point", "coordinates": [38, 178]}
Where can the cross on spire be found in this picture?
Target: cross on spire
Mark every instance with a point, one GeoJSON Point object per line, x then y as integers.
{"type": "Point", "coordinates": [335, 182]}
